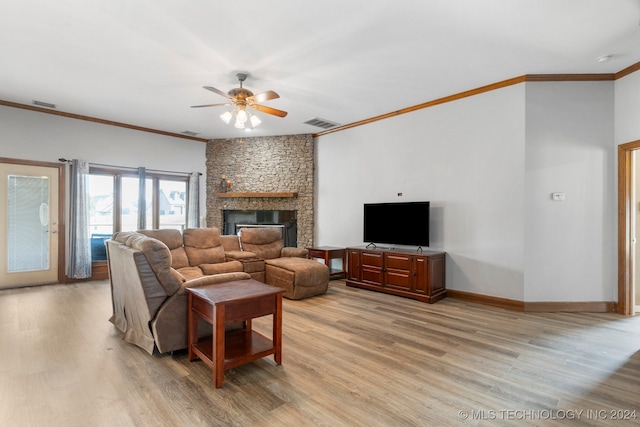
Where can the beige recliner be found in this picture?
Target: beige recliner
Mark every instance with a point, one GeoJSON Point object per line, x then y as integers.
{"type": "Point", "coordinates": [149, 277]}
{"type": "Point", "coordinates": [285, 267]}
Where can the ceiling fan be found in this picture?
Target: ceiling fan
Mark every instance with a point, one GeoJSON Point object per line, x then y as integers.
{"type": "Point", "coordinates": [242, 98]}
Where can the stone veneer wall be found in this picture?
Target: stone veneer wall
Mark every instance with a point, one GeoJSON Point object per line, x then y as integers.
{"type": "Point", "coordinates": [263, 164]}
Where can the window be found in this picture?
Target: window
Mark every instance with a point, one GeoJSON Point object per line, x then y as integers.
{"type": "Point", "coordinates": [101, 218]}
{"type": "Point", "coordinates": [115, 204]}
{"type": "Point", "coordinates": [172, 206]}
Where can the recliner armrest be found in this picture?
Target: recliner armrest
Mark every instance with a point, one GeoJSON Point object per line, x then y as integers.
{"type": "Point", "coordinates": [294, 252]}
{"type": "Point", "coordinates": [239, 255]}
{"type": "Point", "coordinates": [221, 267]}
{"type": "Point", "coordinates": [216, 278]}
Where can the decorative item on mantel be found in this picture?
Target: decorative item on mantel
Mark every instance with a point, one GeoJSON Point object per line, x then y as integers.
{"type": "Point", "coordinates": [223, 184]}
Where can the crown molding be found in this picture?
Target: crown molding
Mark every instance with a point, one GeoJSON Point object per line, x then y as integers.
{"type": "Point", "coordinates": [450, 98]}
{"type": "Point", "coordinates": [569, 77]}
{"type": "Point", "coordinates": [630, 69]}
{"type": "Point", "coordinates": [96, 120]}
{"type": "Point", "coordinates": [487, 88]}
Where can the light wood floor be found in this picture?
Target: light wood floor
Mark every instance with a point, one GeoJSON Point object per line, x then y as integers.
{"type": "Point", "coordinates": [351, 358]}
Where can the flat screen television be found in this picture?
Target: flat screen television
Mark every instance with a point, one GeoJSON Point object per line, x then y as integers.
{"type": "Point", "coordinates": [405, 223]}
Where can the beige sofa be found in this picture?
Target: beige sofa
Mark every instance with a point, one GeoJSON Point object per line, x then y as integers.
{"type": "Point", "coordinates": [149, 272]}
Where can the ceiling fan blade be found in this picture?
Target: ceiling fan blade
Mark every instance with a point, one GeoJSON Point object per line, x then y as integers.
{"type": "Point", "coordinates": [209, 105]}
{"type": "Point", "coordinates": [218, 91]}
{"type": "Point", "coordinates": [269, 110]}
{"type": "Point", "coordinates": [264, 96]}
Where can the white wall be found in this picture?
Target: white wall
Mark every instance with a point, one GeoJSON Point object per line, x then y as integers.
{"type": "Point", "coordinates": [570, 246]}
{"type": "Point", "coordinates": [466, 157]}
{"type": "Point", "coordinates": [628, 130]}
{"type": "Point", "coordinates": [31, 135]}
{"type": "Point", "coordinates": [627, 109]}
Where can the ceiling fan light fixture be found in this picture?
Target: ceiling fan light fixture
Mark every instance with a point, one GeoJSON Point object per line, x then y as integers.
{"type": "Point", "coordinates": [255, 121]}
{"type": "Point", "coordinates": [242, 98]}
{"type": "Point", "coordinates": [241, 115]}
{"type": "Point", "coordinates": [226, 116]}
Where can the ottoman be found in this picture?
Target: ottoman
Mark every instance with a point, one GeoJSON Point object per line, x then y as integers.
{"type": "Point", "coordinates": [299, 277]}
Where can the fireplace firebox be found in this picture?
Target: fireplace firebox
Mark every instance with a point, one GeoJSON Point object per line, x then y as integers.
{"type": "Point", "coordinates": [233, 220]}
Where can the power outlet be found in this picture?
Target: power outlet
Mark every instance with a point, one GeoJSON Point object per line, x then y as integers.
{"type": "Point", "coordinates": [557, 197]}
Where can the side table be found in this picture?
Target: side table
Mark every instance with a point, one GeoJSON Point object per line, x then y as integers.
{"type": "Point", "coordinates": [234, 302]}
{"type": "Point", "coordinates": [327, 253]}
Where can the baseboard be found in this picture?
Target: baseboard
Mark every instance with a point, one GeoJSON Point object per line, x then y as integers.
{"type": "Point", "coordinates": [574, 307]}
{"type": "Point", "coordinates": [535, 307]}
{"type": "Point", "coordinates": [509, 304]}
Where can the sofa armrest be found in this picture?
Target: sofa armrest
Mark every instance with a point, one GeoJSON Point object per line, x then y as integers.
{"type": "Point", "coordinates": [216, 278]}
{"type": "Point", "coordinates": [221, 267]}
{"type": "Point", "coordinates": [239, 255]}
{"type": "Point", "coordinates": [294, 252]}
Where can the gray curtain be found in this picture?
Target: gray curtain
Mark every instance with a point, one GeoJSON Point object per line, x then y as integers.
{"type": "Point", "coordinates": [79, 240]}
{"type": "Point", "coordinates": [193, 215]}
{"type": "Point", "coordinates": [142, 198]}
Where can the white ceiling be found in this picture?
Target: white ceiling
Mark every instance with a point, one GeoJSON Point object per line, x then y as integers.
{"type": "Point", "coordinates": [144, 62]}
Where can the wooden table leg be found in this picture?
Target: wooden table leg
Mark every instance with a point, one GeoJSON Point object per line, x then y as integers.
{"type": "Point", "coordinates": [193, 329]}
{"type": "Point", "coordinates": [277, 330]}
{"type": "Point", "coordinates": [218, 345]}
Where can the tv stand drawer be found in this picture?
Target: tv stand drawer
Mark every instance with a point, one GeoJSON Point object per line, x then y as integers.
{"type": "Point", "coordinates": [408, 273]}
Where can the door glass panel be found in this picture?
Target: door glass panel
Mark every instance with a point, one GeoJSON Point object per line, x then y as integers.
{"type": "Point", "coordinates": [172, 204]}
{"type": "Point", "coordinates": [27, 223]}
{"type": "Point", "coordinates": [101, 217]}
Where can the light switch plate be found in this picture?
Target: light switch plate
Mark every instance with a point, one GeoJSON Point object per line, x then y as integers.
{"type": "Point", "coordinates": [557, 197]}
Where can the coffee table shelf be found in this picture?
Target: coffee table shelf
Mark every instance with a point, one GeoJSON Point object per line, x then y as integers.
{"type": "Point", "coordinates": [241, 346]}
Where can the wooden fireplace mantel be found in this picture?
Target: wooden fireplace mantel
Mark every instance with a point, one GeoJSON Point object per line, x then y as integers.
{"type": "Point", "coordinates": [256, 194]}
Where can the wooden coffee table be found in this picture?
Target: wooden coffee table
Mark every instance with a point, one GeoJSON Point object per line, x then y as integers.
{"type": "Point", "coordinates": [234, 302]}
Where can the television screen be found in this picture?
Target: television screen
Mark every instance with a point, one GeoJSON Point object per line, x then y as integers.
{"type": "Point", "coordinates": [397, 223]}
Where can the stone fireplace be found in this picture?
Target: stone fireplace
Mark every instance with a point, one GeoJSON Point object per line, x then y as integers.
{"type": "Point", "coordinates": [269, 176]}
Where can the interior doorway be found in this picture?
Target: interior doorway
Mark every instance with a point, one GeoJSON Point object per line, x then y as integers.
{"type": "Point", "coordinates": [32, 238]}
{"type": "Point", "coordinates": [628, 217]}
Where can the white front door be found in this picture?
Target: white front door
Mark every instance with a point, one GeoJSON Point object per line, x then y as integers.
{"type": "Point", "coordinates": [29, 221]}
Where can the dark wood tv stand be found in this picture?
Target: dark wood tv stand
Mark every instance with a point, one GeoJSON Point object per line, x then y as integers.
{"type": "Point", "coordinates": [407, 273]}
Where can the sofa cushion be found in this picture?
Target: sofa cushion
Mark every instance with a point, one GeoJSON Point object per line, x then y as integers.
{"type": "Point", "coordinates": [203, 246]}
{"type": "Point", "coordinates": [173, 239]}
{"type": "Point", "coordinates": [230, 242]}
{"type": "Point", "coordinates": [305, 272]}
{"type": "Point", "coordinates": [265, 242]}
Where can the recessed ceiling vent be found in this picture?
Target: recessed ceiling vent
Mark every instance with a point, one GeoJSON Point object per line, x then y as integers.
{"type": "Point", "coordinates": [43, 104]}
{"type": "Point", "coordinates": [321, 123]}
{"type": "Point", "coordinates": [188, 132]}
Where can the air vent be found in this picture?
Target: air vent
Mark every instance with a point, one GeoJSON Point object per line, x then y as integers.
{"type": "Point", "coordinates": [43, 104]}
{"type": "Point", "coordinates": [321, 123]}
{"type": "Point", "coordinates": [188, 132]}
